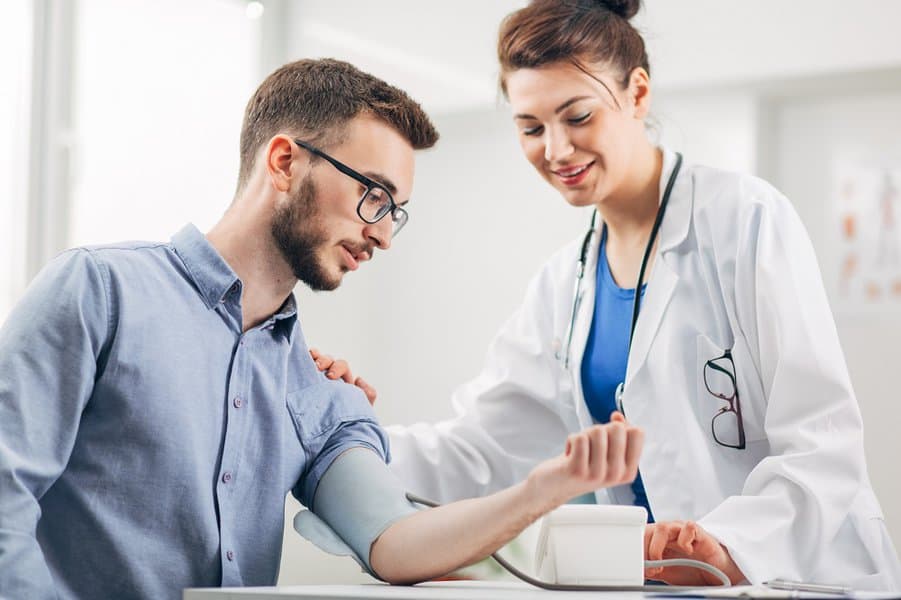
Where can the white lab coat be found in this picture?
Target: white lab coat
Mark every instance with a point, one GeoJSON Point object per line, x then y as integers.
{"type": "Point", "coordinates": [735, 269]}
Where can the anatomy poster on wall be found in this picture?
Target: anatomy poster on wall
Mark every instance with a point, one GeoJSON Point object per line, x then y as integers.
{"type": "Point", "coordinates": [868, 211]}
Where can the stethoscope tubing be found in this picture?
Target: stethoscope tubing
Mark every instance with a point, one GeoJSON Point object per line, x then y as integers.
{"type": "Point", "coordinates": [583, 261]}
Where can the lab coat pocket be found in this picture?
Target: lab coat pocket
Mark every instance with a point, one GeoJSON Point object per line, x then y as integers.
{"type": "Point", "coordinates": [321, 409]}
{"type": "Point", "coordinates": [725, 388]}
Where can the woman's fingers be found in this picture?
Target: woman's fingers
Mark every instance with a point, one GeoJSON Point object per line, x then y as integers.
{"type": "Point", "coordinates": [687, 537]}
{"type": "Point", "coordinates": [663, 534]}
{"type": "Point", "coordinates": [367, 389]}
{"type": "Point", "coordinates": [324, 362]}
{"type": "Point", "coordinates": [339, 369]}
{"type": "Point", "coordinates": [333, 369]}
{"type": "Point", "coordinates": [659, 536]}
{"type": "Point", "coordinates": [649, 532]}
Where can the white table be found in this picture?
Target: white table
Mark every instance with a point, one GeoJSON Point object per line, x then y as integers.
{"type": "Point", "coordinates": [445, 590]}
{"type": "Point", "coordinates": [477, 590]}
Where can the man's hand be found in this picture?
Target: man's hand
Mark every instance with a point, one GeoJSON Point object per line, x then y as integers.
{"type": "Point", "coordinates": [598, 457]}
{"type": "Point", "coordinates": [686, 539]}
{"type": "Point", "coordinates": [339, 369]}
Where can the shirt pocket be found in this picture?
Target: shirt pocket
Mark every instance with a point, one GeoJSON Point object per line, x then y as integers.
{"type": "Point", "coordinates": [726, 375]}
{"type": "Point", "coordinates": [321, 409]}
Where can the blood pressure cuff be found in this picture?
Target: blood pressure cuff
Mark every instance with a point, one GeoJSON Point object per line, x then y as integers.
{"type": "Point", "coordinates": [357, 499]}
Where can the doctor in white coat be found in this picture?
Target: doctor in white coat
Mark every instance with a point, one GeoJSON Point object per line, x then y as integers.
{"type": "Point", "coordinates": [753, 457]}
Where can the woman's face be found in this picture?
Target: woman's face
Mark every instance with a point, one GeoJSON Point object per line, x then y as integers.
{"type": "Point", "coordinates": [581, 137]}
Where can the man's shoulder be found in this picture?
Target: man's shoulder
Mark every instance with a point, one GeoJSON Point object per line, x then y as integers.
{"type": "Point", "coordinates": [124, 252]}
{"type": "Point", "coordinates": [128, 258]}
{"type": "Point", "coordinates": [120, 267]}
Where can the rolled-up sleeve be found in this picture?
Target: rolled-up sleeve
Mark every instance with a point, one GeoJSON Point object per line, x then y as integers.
{"type": "Point", "coordinates": [358, 498]}
{"type": "Point", "coordinates": [332, 417]}
{"type": "Point", "coordinates": [50, 347]}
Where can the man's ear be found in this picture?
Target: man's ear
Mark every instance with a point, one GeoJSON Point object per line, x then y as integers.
{"type": "Point", "coordinates": [279, 160]}
{"type": "Point", "coordinates": [640, 92]}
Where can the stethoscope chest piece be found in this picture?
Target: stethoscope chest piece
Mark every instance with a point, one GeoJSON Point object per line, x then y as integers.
{"type": "Point", "coordinates": [618, 396]}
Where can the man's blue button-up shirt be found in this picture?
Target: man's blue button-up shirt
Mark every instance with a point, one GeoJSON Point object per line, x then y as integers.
{"type": "Point", "coordinates": [146, 443]}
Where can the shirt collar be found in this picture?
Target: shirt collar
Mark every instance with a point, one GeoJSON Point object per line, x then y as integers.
{"type": "Point", "coordinates": [215, 279]}
{"type": "Point", "coordinates": [209, 271]}
{"type": "Point", "coordinates": [286, 318]}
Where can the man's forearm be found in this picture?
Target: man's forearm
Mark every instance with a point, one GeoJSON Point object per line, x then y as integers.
{"type": "Point", "coordinates": [437, 541]}
{"type": "Point", "coordinates": [431, 543]}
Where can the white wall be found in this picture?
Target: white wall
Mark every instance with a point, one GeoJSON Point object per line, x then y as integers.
{"type": "Point", "coordinates": [698, 43]}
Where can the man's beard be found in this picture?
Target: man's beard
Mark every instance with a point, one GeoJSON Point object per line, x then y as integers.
{"type": "Point", "coordinates": [298, 234]}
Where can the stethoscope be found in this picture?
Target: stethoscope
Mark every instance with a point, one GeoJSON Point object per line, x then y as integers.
{"type": "Point", "coordinates": [636, 305]}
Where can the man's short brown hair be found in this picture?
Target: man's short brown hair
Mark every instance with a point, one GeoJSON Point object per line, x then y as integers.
{"type": "Point", "coordinates": [317, 98]}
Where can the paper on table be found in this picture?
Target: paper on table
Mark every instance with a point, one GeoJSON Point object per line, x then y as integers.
{"type": "Point", "coordinates": [761, 591]}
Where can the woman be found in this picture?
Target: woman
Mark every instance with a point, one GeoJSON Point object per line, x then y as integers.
{"type": "Point", "coordinates": [753, 457]}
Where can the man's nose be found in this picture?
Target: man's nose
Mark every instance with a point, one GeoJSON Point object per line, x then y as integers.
{"type": "Point", "coordinates": [380, 233]}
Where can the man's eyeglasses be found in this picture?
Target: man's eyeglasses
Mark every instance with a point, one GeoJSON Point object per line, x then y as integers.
{"type": "Point", "coordinates": [727, 425]}
{"type": "Point", "coordinates": [376, 201]}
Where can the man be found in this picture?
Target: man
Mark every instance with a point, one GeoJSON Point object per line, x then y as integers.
{"type": "Point", "coordinates": [158, 401]}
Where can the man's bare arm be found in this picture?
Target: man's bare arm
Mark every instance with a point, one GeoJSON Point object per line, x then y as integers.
{"type": "Point", "coordinates": [434, 542]}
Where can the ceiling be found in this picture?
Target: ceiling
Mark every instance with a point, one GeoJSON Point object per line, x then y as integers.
{"type": "Point", "coordinates": [443, 53]}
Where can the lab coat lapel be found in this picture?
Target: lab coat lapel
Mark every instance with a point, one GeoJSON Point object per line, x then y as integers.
{"type": "Point", "coordinates": [663, 280]}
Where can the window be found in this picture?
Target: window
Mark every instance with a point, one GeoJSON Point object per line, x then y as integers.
{"type": "Point", "coordinates": [15, 69]}
{"type": "Point", "coordinates": [159, 95]}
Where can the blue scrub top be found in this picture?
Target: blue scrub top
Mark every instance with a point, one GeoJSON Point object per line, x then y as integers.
{"type": "Point", "coordinates": [607, 352]}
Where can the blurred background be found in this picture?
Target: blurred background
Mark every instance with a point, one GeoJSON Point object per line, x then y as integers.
{"type": "Point", "coordinates": [119, 119]}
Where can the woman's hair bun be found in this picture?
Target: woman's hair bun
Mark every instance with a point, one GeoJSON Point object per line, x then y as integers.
{"type": "Point", "coordinates": [624, 8]}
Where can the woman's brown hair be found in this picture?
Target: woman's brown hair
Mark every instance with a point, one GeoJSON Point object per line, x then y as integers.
{"type": "Point", "coordinates": [579, 32]}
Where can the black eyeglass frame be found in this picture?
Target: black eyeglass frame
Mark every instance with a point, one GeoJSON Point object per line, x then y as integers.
{"type": "Point", "coordinates": [399, 215]}
{"type": "Point", "coordinates": [734, 404]}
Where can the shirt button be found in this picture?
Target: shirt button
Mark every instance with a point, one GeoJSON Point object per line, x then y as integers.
{"type": "Point", "coordinates": [230, 555]}
{"type": "Point", "coordinates": [238, 402]}
{"type": "Point", "coordinates": [226, 477]}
